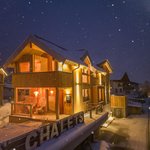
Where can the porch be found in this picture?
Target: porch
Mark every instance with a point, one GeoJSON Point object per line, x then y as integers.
{"type": "Point", "coordinates": [21, 112]}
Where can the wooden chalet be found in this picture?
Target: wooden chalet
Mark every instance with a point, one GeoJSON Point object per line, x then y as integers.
{"type": "Point", "coordinates": [49, 79]}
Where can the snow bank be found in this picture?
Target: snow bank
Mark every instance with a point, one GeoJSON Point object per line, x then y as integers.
{"type": "Point", "coordinates": [4, 113]}
{"type": "Point", "coordinates": [100, 145]}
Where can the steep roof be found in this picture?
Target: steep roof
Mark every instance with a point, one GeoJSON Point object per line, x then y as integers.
{"type": "Point", "coordinates": [125, 78]}
{"type": "Point", "coordinates": [58, 52]}
{"type": "Point", "coordinates": [105, 65]}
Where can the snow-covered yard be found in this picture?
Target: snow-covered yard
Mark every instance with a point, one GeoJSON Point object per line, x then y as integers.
{"type": "Point", "coordinates": [4, 113]}
{"type": "Point", "coordinates": [127, 133]}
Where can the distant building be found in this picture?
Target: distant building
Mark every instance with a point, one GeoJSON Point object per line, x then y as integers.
{"type": "Point", "coordinates": [124, 86]}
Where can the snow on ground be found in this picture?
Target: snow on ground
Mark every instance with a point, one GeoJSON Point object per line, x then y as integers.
{"type": "Point", "coordinates": [5, 111]}
{"type": "Point", "coordinates": [127, 133]}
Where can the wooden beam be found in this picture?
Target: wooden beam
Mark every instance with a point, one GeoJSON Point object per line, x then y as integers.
{"type": "Point", "coordinates": [57, 103]}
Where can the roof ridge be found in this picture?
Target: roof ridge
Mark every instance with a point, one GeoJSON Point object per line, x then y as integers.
{"type": "Point", "coordinates": [39, 37]}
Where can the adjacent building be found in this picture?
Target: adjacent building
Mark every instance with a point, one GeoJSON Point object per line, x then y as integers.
{"type": "Point", "coordinates": [50, 79]}
{"type": "Point", "coordinates": [124, 86]}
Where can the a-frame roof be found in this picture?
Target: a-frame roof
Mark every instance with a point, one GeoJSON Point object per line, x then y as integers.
{"type": "Point", "coordinates": [59, 53]}
{"type": "Point", "coordinates": [106, 66]}
{"type": "Point", "coordinates": [125, 78]}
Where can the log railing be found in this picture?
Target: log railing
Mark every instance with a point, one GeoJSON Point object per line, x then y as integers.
{"type": "Point", "coordinates": [21, 109]}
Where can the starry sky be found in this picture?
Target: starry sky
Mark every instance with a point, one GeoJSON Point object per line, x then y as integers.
{"type": "Point", "coordinates": [117, 30]}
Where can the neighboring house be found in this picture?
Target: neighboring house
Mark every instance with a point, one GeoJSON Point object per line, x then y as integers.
{"type": "Point", "coordinates": [8, 89]}
{"type": "Point", "coordinates": [55, 79]}
{"type": "Point", "coordinates": [124, 86]}
{"type": "Point", "coordinates": [3, 74]}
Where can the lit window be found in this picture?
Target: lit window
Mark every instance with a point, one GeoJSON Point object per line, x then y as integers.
{"type": "Point", "coordinates": [85, 94]}
{"type": "Point", "coordinates": [40, 64]}
{"type": "Point", "coordinates": [84, 78]}
{"type": "Point", "coordinates": [24, 67]}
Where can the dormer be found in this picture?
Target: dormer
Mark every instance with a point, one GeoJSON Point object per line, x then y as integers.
{"type": "Point", "coordinates": [105, 65]}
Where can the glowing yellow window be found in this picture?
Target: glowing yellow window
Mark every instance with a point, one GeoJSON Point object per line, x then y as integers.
{"type": "Point", "coordinates": [24, 67]}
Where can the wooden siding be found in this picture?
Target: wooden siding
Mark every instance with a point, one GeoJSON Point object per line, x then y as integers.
{"type": "Point", "coordinates": [118, 101]}
{"type": "Point", "coordinates": [95, 81]}
{"type": "Point", "coordinates": [42, 79]}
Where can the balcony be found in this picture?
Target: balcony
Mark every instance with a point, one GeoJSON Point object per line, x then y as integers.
{"type": "Point", "coordinates": [96, 81]}
{"type": "Point", "coordinates": [42, 79]}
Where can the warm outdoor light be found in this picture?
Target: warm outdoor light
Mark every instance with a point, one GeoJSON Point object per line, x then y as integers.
{"type": "Point", "coordinates": [51, 92]}
{"type": "Point", "coordinates": [67, 92]}
{"type": "Point", "coordinates": [36, 93]}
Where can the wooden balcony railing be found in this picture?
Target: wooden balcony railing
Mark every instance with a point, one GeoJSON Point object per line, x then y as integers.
{"type": "Point", "coordinates": [21, 109]}
{"type": "Point", "coordinates": [42, 79]}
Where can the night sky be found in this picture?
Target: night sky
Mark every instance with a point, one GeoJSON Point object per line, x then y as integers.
{"type": "Point", "coordinates": [117, 30]}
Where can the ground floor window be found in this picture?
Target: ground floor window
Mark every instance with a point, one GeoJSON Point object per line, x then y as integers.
{"type": "Point", "coordinates": [101, 94]}
{"type": "Point", "coordinates": [40, 98]}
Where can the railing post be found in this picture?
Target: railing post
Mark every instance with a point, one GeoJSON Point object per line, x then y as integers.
{"type": "Point", "coordinates": [30, 110]}
{"type": "Point", "coordinates": [12, 108]}
{"type": "Point", "coordinates": [90, 113]}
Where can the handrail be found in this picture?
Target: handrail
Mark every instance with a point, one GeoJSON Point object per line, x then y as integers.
{"type": "Point", "coordinates": [21, 109]}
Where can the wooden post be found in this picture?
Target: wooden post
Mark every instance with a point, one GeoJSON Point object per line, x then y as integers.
{"type": "Point", "coordinates": [1, 94]}
{"type": "Point", "coordinates": [47, 102]}
{"type": "Point", "coordinates": [12, 108]}
{"type": "Point", "coordinates": [90, 113]}
{"type": "Point", "coordinates": [57, 103]}
{"type": "Point", "coordinates": [30, 110]}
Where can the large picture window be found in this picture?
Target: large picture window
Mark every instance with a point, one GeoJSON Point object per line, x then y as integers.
{"type": "Point", "coordinates": [40, 64]}
{"type": "Point", "coordinates": [24, 66]}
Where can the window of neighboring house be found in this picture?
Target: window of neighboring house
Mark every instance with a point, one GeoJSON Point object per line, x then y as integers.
{"type": "Point", "coordinates": [85, 94]}
{"type": "Point", "coordinates": [24, 66]}
{"type": "Point", "coordinates": [116, 90]}
{"type": "Point", "coordinates": [120, 90]}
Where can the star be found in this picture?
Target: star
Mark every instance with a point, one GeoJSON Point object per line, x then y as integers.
{"type": "Point", "coordinates": [82, 28]}
{"type": "Point", "coordinates": [147, 24]}
{"type": "Point", "coordinates": [29, 3]}
{"type": "Point", "coordinates": [109, 35]}
{"type": "Point", "coordinates": [77, 42]}
{"type": "Point", "coordinates": [116, 17]}
{"type": "Point", "coordinates": [85, 36]}
{"type": "Point", "coordinates": [142, 30]}
{"type": "Point", "coordinates": [119, 30]}
{"type": "Point", "coordinates": [112, 5]}
{"type": "Point", "coordinates": [132, 41]}
{"type": "Point", "coordinates": [42, 13]}
{"type": "Point", "coordinates": [34, 20]}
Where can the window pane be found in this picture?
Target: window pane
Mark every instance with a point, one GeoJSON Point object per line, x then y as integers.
{"type": "Point", "coordinates": [24, 67]}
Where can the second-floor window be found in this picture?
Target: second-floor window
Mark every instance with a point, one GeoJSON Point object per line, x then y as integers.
{"type": "Point", "coordinates": [24, 66]}
{"type": "Point", "coordinates": [40, 64]}
{"type": "Point", "coordinates": [84, 76]}
{"type": "Point", "coordinates": [85, 94]}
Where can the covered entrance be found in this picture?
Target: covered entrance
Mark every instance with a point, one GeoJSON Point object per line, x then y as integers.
{"type": "Point", "coordinates": [37, 102]}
